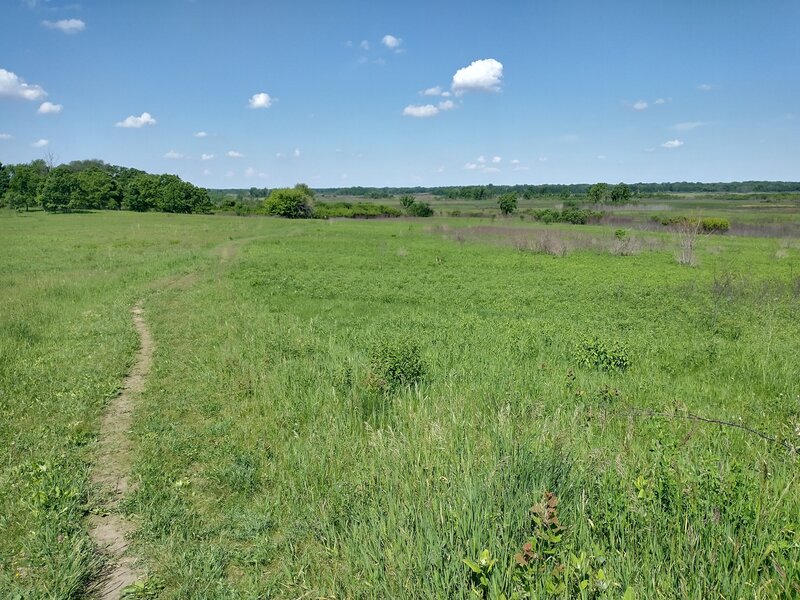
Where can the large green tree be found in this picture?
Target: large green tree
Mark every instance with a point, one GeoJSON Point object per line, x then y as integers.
{"type": "Point", "coordinates": [599, 193]}
{"type": "Point", "coordinates": [621, 194]}
{"type": "Point", "coordinates": [293, 203]}
{"type": "Point", "coordinates": [508, 203]}
{"type": "Point", "coordinates": [59, 190]}
{"type": "Point", "coordinates": [23, 186]}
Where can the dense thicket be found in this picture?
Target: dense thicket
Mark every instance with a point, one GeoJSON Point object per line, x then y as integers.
{"type": "Point", "coordinates": [93, 184]}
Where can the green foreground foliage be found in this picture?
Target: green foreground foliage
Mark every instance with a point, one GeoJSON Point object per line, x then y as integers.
{"type": "Point", "coordinates": [528, 437]}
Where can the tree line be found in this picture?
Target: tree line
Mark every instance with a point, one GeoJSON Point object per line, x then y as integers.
{"type": "Point", "coordinates": [95, 185]}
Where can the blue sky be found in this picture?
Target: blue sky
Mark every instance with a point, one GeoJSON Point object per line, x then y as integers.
{"type": "Point", "coordinates": [265, 94]}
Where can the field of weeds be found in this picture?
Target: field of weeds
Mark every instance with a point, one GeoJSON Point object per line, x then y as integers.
{"type": "Point", "coordinates": [435, 408]}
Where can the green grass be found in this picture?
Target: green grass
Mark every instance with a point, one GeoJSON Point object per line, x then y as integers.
{"type": "Point", "coordinates": [268, 466]}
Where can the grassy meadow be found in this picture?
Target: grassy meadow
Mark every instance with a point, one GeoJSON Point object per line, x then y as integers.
{"type": "Point", "coordinates": [273, 460]}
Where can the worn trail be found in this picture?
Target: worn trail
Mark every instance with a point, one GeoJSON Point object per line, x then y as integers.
{"type": "Point", "coordinates": [109, 529]}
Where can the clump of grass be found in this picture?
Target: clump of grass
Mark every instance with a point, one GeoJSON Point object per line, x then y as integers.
{"type": "Point", "coordinates": [395, 363]}
{"type": "Point", "coordinates": [606, 355]}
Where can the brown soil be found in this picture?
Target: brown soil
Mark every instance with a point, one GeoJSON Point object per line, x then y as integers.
{"type": "Point", "coordinates": [108, 528]}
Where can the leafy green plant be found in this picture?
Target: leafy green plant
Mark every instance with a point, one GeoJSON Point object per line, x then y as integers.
{"type": "Point", "coordinates": [395, 363]}
{"type": "Point", "coordinates": [481, 572]}
{"type": "Point", "coordinates": [603, 354]}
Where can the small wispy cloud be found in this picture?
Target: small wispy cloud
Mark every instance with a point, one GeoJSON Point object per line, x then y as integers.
{"type": "Point", "coordinates": [672, 144]}
{"type": "Point", "coordinates": [420, 111]}
{"type": "Point", "coordinates": [68, 26]}
{"type": "Point", "coordinates": [200, 134]}
{"type": "Point", "coordinates": [235, 154]}
{"type": "Point", "coordinates": [496, 159]}
{"type": "Point", "coordinates": [260, 100]}
{"type": "Point", "coordinates": [205, 156]}
{"type": "Point", "coordinates": [705, 87]}
{"type": "Point", "coordinates": [173, 154]}
{"type": "Point", "coordinates": [296, 153]}
{"type": "Point", "coordinates": [364, 45]}
{"type": "Point", "coordinates": [134, 122]}
{"type": "Point", "coordinates": [660, 101]}
{"type": "Point", "coordinates": [447, 105]}
{"type": "Point", "coordinates": [640, 105]}
{"type": "Point", "coordinates": [40, 143]}
{"type": "Point", "coordinates": [391, 42]}
{"type": "Point", "coordinates": [688, 125]}
{"type": "Point", "coordinates": [432, 91]}
{"type": "Point", "coordinates": [48, 108]}
{"type": "Point", "coordinates": [6, 136]}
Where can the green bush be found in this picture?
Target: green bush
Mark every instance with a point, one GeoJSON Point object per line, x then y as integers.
{"type": "Point", "coordinates": [394, 363]}
{"type": "Point", "coordinates": [419, 209]}
{"type": "Point", "coordinates": [360, 210]}
{"type": "Point", "coordinates": [712, 225]}
{"type": "Point", "coordinates": [602, 354]}
{"type": "Point", "coordinates": [292, 203]}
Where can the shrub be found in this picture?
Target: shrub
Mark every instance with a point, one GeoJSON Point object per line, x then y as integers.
{"type": "Point", "coordinates": [419, 209]}
{"type": "Point", "coordinates": [395, 363]}
{"type": "Point", "coordinates": [711, 225]}
{"type": "Point", "coordinates": [292, 203]}
{"type": "Point", "coordinates": [602, 354]}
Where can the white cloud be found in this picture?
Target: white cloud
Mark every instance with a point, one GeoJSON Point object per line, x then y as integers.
{"type": "Point", "coordinates": [136, 122]}
{"type": "Point", "coordinates": [705, 87]}
{"type": "Point", "coordinates": [364, 45]}
{"type": "Point", "coordinates": [391, 42]}
{"type": "Point", "coordinates": [40, 143]}
{"type": "Point", "coordinates": [11, 86]}
{"type": "Point", "coordinates": [6, 136]}
{"type": "Point", "coordinates": [515, 161]}
{"type": "Point", "coordinates": [260, 100]}
{"type": "Point", "coordinates": [659, 101]}
{"type": "Point", "coordinates": [235, 154]}
{"type": "Point", "coordinates": [296, 152]}
{"type": "Point", "coordinates": [483, 75]}
{"type": "Point", "coordinates": [640, 105]}
{"type": "Point", "coordinates": [66, 25]}
{"type": "Point", "coordinates": [280, 155]}
{"type": "Point", "coordinates": [447, 105]}
{"type": "Point", "coordinates": [432, 91]}
{"type": "Point", "coordinates": [496, 159]}
{"type": "Point", "coordinates": [48, 108]}
{"type": "Point", "coordinates": [543, 159]}
{"type": "Point", "coordinates": [481, 159]}
{"type": "Point", "coordinates": [200, 134]}
{"type": "Point", "coordinates": [420, 111]}
{"type": "Point", "coordinates": [672, 144]}
{"type": "Point", "coordinates": [688, 126]}
{"type": "Point", "coordinates": [205, 156]}
{"type": "Point", "coordinates": [470, 166]}
{"type": "Point", "coordinates": [173, 154]}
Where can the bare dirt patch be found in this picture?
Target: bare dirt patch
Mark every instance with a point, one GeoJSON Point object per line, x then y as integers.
{"type": "Point", "coordinates": [109, 529]}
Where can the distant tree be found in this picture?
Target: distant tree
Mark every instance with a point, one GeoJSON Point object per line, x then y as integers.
{"type": "Point", "coordinates": [621, 194]}
{"type": "Point", "coordinates": [508, 203]}
{"type": "Point", "coordinates": [58, 190]}
{"type": "Point", "coordinates": [23, 185]}
{"type": "Point", "coordinates": [141, 192]}
{"type": "Point", "coordinates": [406, 201]}
{"type": "Point", "coordinates": [97, 189]}
{"type": "Point", "coordinates": [420, 209]}
{"type": "Point", "coordinates": [598, 193]}
{"type": "Point", "coordinates": [292, 203]}
{"type": "Point", "coordinates": [5, 180]}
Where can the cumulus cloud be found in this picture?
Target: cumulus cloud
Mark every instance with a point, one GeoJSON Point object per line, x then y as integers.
{"type": "Point", "coordinates": [48, 108]}
{"type": "Point", "coordinates": [470, 166]}
{"type": "Point", "coordinates": [173, 154]}
{"type": "Point", "coordinates": [66, 25]}
{"type": "Point", "coordinates": [420, 110]}
{"type": "Point", "coordinates": [496, 159]}
{"type": "Point", "coordinates": [705, 87]}
{"type": "Point", "coordinates": [136, 122]}
{"type": "Point", "coordinates": [391, 42]}
{"type": "Point", "coordinates": [515, 161]}
{"type": "Point", "coordinates": [200, 134]}
{"type": "Point", "coordinates": [11, 86]}
{"type": "Point", "coordinates": [447, 105]}
{"type": "Point", "coordinates": [260, 100]}
{"type": "Point", "coordinates": [672, 144]}
{"type": "Point", "coordinates": [205, 156]}
{"type": "Point", "coordinates": [660, 101]}
{"type": "Point", "coordinates": [6, 136]}
{"type": "Point", "coordinates": [235, 154]}
{"type": "Point", "coordinates": [432, 91]}
{"type": "Point", "coordinates": [688, 125]}
{"type": "Point", "coordinates": [640, 105]}
{"type": "Point", "coordinates": [481, 75]}
{"type": "Point", "coordinates": [40, 143]}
